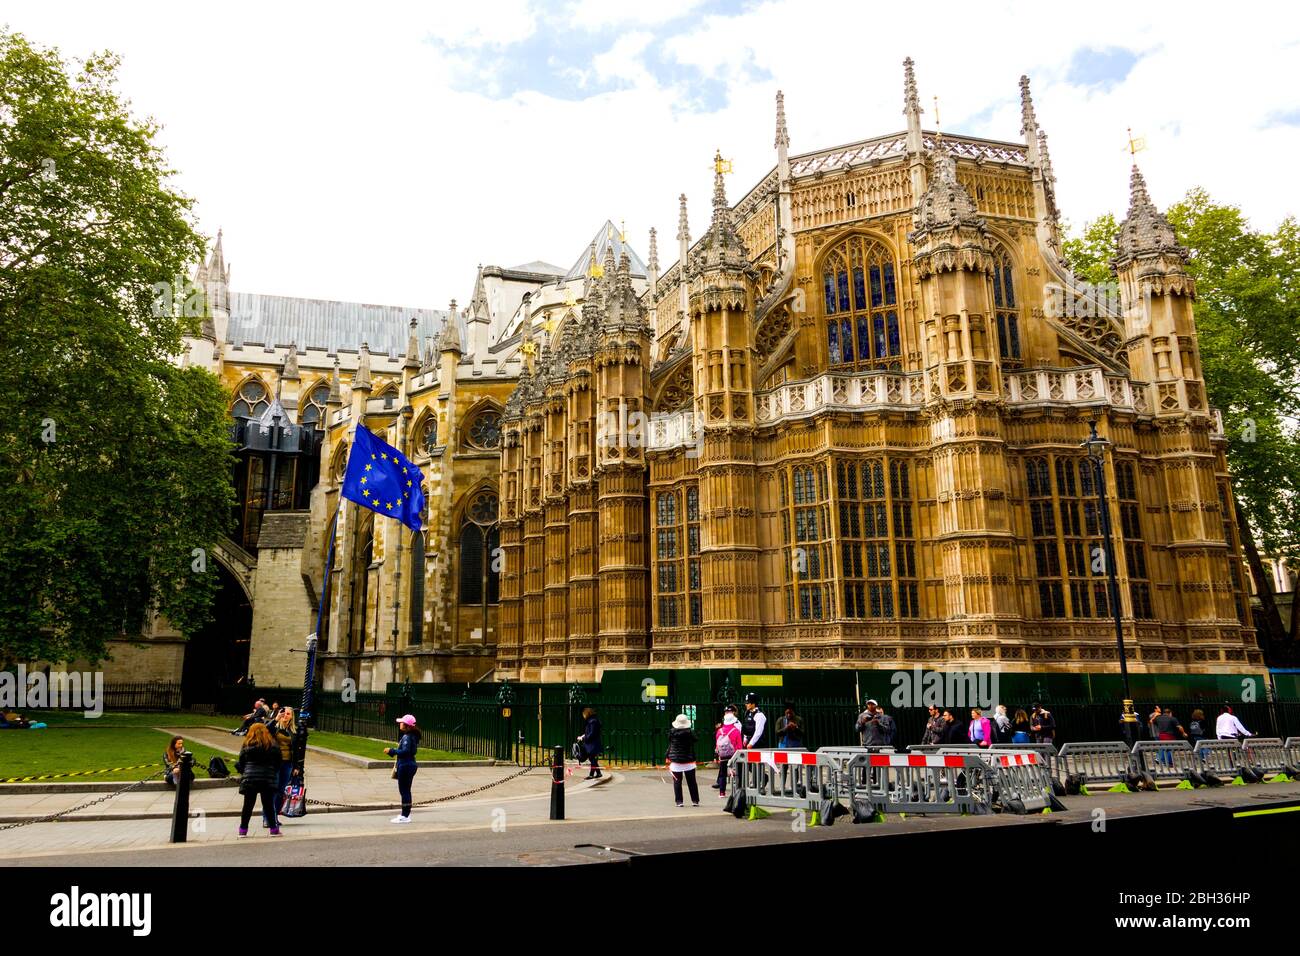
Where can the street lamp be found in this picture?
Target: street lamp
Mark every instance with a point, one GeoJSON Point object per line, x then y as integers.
{"type": "Point", "coordinates": [1096, 447]}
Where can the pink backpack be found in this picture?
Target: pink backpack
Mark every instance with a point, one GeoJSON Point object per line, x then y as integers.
{"type": "Point", "coordinates": [725, 743]}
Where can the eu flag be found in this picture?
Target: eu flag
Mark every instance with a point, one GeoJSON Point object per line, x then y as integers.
{"type": "Point", "coordinates": [381, 478]}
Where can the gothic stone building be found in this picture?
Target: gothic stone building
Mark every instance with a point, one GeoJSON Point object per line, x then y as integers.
{"type": "Point", "coordinates": [842, 431]}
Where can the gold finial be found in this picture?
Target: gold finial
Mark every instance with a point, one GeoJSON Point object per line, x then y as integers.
{"type": "Point", "coordinates": [569, 300]}
{"type": "Point", "coordinates": [721, 165]}
{"type": "Point", "coordinates": [622, 230]}
{"type": "Point", "coordinates": [938, 125]}
{"type": "Point", "coordinates": [597, 271]}
{"type": "Point", "coordinates": [1135, 146]}
{"type": "Point", "coordinates": [528, 348]}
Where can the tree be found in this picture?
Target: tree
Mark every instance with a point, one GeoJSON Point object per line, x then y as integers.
{"type": "Point", "coordinates": [115, 462]}
{"type": "Point", "coordinates": [1248, 325]}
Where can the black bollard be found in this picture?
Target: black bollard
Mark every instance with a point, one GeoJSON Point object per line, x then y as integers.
{"type": "Point", "coordinates": [181, 811]}
{"type": "Point", "coordinates": [557, 784]}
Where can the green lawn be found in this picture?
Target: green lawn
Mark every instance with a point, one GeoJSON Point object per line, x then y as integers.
{"type": "Point", "coordinates": [373, 748]}
{"type": "Point", "coordinates": [74, 719]}
{"type": "Point", "coordinates": [60, 749]}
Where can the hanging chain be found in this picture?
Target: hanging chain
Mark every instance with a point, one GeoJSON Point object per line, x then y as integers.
{"type": "Point", "coordinates": [50, 818]}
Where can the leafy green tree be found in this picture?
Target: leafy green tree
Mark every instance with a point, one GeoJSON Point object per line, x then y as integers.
{"type": "Point", "coordinates": [1248, 324]}
{"type": "Point", "coordinates": [1089, 255]}
{"type": "Point", "coordinates": [115, 462]}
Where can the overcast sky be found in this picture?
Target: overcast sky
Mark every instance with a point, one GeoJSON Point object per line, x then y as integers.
{"type": "Point", "coordinates": [378, 152]}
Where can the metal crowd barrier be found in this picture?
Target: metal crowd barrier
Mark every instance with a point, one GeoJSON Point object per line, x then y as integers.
{"type": "Point", "coordinates": [1102, 760]}
{"type": "Point", "coordinates": [1046, 753]}
{"type": "Point", "coordinates": [1220, 756]}
{"type": "Point", "coordinates": [1022, 780]}
{"type": "Point", "coordinates": [1292, 749]}
{"type": "Point", "coordinates": [1265, 754]}
{"type": "Point", "coordinates": [781, 779]}
{"type": "Point", "coordinates": [1164, 759]}
{"type": "Point", "coordinates": [920, 783]}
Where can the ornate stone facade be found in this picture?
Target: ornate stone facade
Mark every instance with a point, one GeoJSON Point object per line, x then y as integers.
{"type": "Point", "coordinates": [842, 430]}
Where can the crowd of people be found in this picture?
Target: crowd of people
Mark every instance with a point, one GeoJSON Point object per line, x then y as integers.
{"type": "Point", "coordinates": [269, 760]}
{"type": "Point", "coordinates": [746, 728]}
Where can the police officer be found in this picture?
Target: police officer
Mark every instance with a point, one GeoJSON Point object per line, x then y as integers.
{"type": "Point", "coordinates": [754, 722]}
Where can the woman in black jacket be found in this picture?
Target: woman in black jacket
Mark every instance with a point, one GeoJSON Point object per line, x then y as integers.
{"type": "Point", "coordinates": [681, 759]}
{"type": "Point", "coordinates": [590, 741]}
{"type": "Point", "coordinates": [259, 767]}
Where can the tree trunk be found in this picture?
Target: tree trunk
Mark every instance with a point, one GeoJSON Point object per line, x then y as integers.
{"type": "Point", "coordinates": [1274, 632]}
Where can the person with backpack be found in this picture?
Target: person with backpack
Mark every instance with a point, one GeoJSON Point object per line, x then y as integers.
{"type": "Point", "coordinates": [258, 766]}
{"type": "Point", "coordinates": [1196, 727]}
{"type": "Point", "coordinates": [590, 741]}
{"type": "Point", "coordinates": [1042, 725]}
{"type": "Point", "coordinates": [727, 740]}
{"type": "Point", "coordinates": [681, 759]}
{"type": "Point", "coordinates": [405, 766]}
{"type": "Point", "coordinates": [1002, 729]}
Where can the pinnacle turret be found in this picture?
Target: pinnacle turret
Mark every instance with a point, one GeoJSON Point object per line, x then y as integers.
{"type": "Point", "coordinates": [782, 134]}
{"type": "Point", "coordinates": [361, 380]}
{"type": "Point", "coordinates": [1145, 232]}
{"type": "Point", "coordinates": [911, 100]}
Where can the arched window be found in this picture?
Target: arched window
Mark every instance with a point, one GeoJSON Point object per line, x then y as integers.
{"type": "Point", "coordinates": [361, 585]}
{"type": "Point", "coordinates": [253, 399]}
{"type": "Point", "coordinates": [484, 431]}
{"type": "Point", "coordinates": [668, 553]}
{"type": "Point", "coordinates": [313, 407]}
{"type": "Point", "coordinates": [426, 436]}
{"type": "Point", "coordinates": [860, 299]}
{"type": "Point", "coordinates": [417, 588]}
{"type": "Point", "coordinates": [809, 588]}
{"type": "Point", "coordinates": [479, 570]}
{"type": "Point", "coordinates": [1008, 313]}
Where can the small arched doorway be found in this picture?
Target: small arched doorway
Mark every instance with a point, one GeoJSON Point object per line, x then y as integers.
{"type": "Point", "coordinates": [217, 655]}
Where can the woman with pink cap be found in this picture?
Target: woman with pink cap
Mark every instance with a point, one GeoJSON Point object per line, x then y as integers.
{"type": "Point", "coordinates": [405, 769]}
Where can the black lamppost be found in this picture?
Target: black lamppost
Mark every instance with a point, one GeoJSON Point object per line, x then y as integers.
{"type": "Point", "coordinates": [1096, 447]}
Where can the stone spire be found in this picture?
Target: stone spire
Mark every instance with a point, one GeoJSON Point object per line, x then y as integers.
{"type": "Point", "coordinates": [289, 372]}
{"type": "Point", "coordinates": [413, 346]}
{"type": "Point", "coordinates": [1045, 159]}
{"type": "Point", "coordinates": [683, 227]}
{"type": "Point", "coordinates": [1028, 122]}
{"type": "Point", "coordinates": [449, 340]}
{"type": "Point", "coordinates": [361, 380]}
{"type": "Point", "coordinates": [911, 101]}
{"type": "Point", "coordinates": [652, 266]}
{"type": "Point", "coordinates": [911, 108]}
{"type": "Point", "coordinates": [336, 386]}
{"type": "Point", "coordinates": [782, 134]}
{"type": "Point", "coordinates": [720, 248]}
{"type": "Point", "coordinates": [1145, 232]}
{"type": "Point", "coordinates": [946, 203]}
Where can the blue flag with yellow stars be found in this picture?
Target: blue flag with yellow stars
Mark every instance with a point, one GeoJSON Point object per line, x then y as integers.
{"type": "Point", "coordinates": [383, 479]}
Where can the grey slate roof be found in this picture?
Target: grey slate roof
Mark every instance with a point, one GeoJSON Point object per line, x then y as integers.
{"type": "Point", "coordinates": [272, 320]}
{"type": "Point", "coordinates": [607, 235]}
{"type": "Point", "coordinates": [537, 265]}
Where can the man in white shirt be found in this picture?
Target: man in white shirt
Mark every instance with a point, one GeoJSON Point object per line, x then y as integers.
{"type": "Point", "coordinates": [1228, 727]}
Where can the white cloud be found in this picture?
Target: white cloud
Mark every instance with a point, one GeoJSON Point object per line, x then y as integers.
{"type": "Point", "coordinates": [344, 159]}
